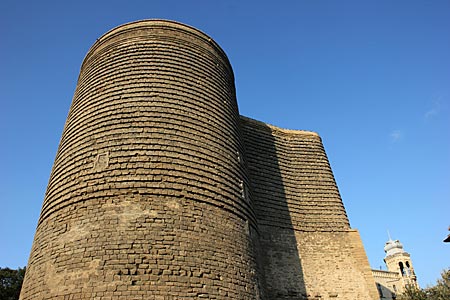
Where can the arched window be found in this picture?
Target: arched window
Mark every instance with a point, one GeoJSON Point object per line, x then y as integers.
{"type": "Point", "coordinates": [402, 269]}
{"type": "Point", "coordinates": [408, 268]}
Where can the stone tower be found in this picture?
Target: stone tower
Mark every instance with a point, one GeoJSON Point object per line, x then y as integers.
{"type": "Point", "coordinates": [146, 192]}
{"type": "Point", "coordinates": [161, 190]}
{"type": "Point", "coordinates": [399, 261]}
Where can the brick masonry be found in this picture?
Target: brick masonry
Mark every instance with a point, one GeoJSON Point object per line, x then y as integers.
{"type": "Point", "coordinates": [160, 190]}
{"type": "Point", "coordinates": [308, 250]}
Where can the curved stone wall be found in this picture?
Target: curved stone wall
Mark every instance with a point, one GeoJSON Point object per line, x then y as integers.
{"type": "Point", "coordinates": [293, 184]}
{"type": "Point", "coordinates": [148, 197]}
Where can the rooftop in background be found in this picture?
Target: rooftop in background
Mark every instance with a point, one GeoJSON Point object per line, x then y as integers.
{"type": "Point", "coordinates": [447, 240]}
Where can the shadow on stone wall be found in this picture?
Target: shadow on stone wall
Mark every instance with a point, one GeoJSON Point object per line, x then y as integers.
{"type": "Point", "coordinates": [278, 253]}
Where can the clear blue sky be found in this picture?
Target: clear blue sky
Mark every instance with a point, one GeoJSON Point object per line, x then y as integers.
{"type": "Point", "coordinates": [371, 77]}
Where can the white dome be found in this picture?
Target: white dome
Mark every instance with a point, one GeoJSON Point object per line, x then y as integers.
{"type": "Point", "coordinates": [393, 247]}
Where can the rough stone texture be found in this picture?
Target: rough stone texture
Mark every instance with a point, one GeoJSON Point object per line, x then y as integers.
{"type": "Point", "coordinates": [308, 250]}
{"type": "Point", "coordinates": [160, 190]}
{"type": "Point", "coordinates": [293, 185]}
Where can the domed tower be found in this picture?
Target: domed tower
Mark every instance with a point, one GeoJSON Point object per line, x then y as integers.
{"type": "Point", "coordinates": [148, 196]}
{"type": "Point", "coordinates": [399, 261]}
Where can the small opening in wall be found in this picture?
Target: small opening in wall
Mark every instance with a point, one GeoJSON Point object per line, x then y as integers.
{"type": "Point", "coordinates": [402, 268]}
{"type": "Point", "coordinates": [239, 157]}
{"type": "Point", "coordinates": [244, 191]}
{"type": "Point", "coordinates": [408, 268]}
{"type": "Point", "coordinates": [247, 228]}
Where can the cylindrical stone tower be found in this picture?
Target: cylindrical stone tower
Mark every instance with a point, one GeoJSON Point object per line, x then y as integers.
{"type": "Point", "coordinates": [147, 197]}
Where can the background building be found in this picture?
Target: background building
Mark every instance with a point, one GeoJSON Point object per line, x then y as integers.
{"type": "Point", "coordinates": [400, 272]}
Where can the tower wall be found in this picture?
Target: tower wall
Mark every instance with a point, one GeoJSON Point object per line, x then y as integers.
{"type": "Point", "coordinates": [146, 196]}
{"type": "Point", "coordinates": [293, 184]}
{"type": "Point", "coordinates": [308, 250]}
{"type": "Point", "coordinates": [407, 276]}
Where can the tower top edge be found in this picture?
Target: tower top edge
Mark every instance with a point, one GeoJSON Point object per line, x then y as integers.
{"type": "Point", "coordinates": [161, 24]}
{"type": "Point", "coordinates": [156, 22]}
{"type": "Point", "coordinates": [279, 129]}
